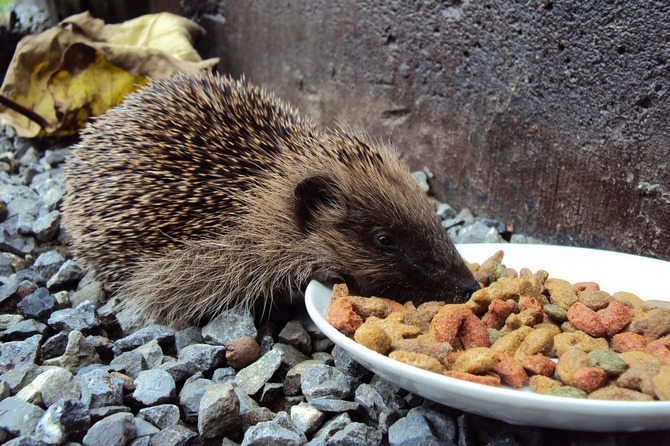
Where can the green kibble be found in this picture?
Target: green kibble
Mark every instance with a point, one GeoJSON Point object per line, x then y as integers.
{"type": "Point", "coordinates": [567, 391]}
{"type": "Point", "coordinates": [556, 313]}
{"type": "Point", "coordinates": [607, 360]}
{"type": "Point", "coordinates": [499, 270]}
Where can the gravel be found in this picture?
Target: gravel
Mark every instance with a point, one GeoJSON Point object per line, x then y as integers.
{"type": "Point", "coordinates": [74, 370]}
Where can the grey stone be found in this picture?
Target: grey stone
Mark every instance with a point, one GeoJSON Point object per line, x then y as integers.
{"type": "Point", "coordinates": [225, 374]}
{"type": "Point", "coordinates": [409, 430]}
{"type": "Point", "coordinates": [345, 363]}
{"type": "Point", "coordinates": [228, 326]}
{"type": "Point", "coordinates": [24, 224]}
{"type": "Point", "coordinates": [22, 441]}
{"type": "Point", "coordinates": [70, 271]}
{"type": "Point", "coordinates": [442, 426]}
{"type": "Point", "coordinates": [8, 290]}
{"type": "Point", "coordinates": [203, 357]}
{"type": "Point", "coordinates": [54, 346]}
{"type": "Point", "coordinates": [281, 430]}
{"type": "Point", "coordinates": [78, 353]}
{"type": "Point", "coordinates": [478, 232]}
{"type": "Point", "coordinates": [131, 363]}
{"type": "Point", "coordinates": [252, 378]}
{"type": "Point", "coordinates": [9, 320]}
{"type": "Point", "coordinates": [81, 318]}
{"type": "Point", "coordinates": [115, 430]}
{"type": "Point", "coordinates": [190, 396]}
{"type": "Point", "coordinates": [154, 387]}
{"type": "Point", "coordinates": [12, 241]}
{"type": "Point", "coordinates": [45, 227]}
{"type": "Point", "coordinates": [187, 336]}
{"type": "Point", "coordinates": [179, 371]}
{"type": "Point", "coordinates": [329, 404]}
{"type": "Point", "coordinates": [295, 334]}
{"type": "Point", "coordinates": [370, 400]}
{"type": "Point", "coordinates": [306, 417]}
{"type": "Point", "coordinates": [293, 378]}
{"type": "Point", "coordinates": [92, 291]}
{"type": "Point", "coordinates": [291, 357]}
{"type": "Point", "coordinates": [176, 435]}
{"type": "Point", "coordinates": [445, 211]}
{"type": "Point", "coordinates": [219, 411]}
{"type": "Point", "coordinates": [329, 429]}
{"type": "Point", "coordinates": [356, 434]}
{"type": "Point", "coordinates": [48, 263]}
{"type": "Point", "coordinates": [6, 265]}
{"type": "Point", "coordinates": [321, 380]}
{"type": "Point", "coordinates": [20, 376]}
{"type": "Point", "coordinates": [160, 333]}
{"type": "Point", "coordinates": [143, 428]}
{"type": "Point", "coordinates": [162, 415]}
{"type": "Point", "coordinates": [50, 386]}
{"type": "Point", "coordinates": [16, 353]}
{"type": "Point", "coordinates": [152, 353]}
{"type": "Point", "coordinates": [38, 305]}
{"type": "Point", "coordinates": [99, 388]}
{"type": "Point", "coordinates": [141, 441]}
{"type": "Point", "coordinates": [62, 420]}
{"type": "Point", "coordinates": [521, 238]}
{"type": "Point", "coordinates": [24, 329]}
{"type": "Point", "coordinates": [18, 417]}
{"type": "Point", "coordinates": [422, 178]}
{"type": "Point", "coordinates": [98, 413]}
{"type": "Point", "coordinates": [4, 390]}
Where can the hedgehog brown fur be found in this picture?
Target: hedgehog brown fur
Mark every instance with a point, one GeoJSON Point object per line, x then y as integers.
{"type": "Point", "coordinates": [200, 192]}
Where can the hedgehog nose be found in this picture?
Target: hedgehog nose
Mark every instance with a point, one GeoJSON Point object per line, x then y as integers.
{"type": "Point", "coordinates": [470, 288]}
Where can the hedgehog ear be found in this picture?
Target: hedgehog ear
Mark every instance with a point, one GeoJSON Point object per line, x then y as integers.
{"type": "Point", "coordinates": [312, 196]}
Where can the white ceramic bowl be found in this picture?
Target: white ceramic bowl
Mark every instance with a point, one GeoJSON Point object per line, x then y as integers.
{"type": "Point", "coordinates": [613, 271]}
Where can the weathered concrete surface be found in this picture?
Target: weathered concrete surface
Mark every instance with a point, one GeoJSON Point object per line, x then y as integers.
{"type": "Point", "coordinates": [553, 116]}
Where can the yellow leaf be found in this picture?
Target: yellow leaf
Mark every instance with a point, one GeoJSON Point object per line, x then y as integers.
{"type": "Point", "coordinates": [82, 67]}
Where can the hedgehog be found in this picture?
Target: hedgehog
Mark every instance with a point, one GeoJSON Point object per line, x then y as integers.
{"type": "Point", "coordinates": [200, 193]}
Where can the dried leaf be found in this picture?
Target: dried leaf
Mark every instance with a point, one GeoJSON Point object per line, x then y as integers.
{"type": "Point", "coordinates": [82, 67]}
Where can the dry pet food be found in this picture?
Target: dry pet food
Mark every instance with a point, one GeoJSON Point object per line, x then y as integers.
{"type": "Point", "coordinates": [523, 329]}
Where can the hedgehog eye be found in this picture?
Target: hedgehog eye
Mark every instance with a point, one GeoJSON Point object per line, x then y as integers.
{"type": "Point", "coordinates": [385, 241]}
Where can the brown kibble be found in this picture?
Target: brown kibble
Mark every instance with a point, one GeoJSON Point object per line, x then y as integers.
{"type": "Point", "coordinates": [537, 341]}
{"type": "Point", "coordinates": [458, 322]}
{"type": "Point", "coordinates": [587, 320]}
{"type": "Point", "coordinates": [543, 384]}
{"type": "Point", "coordinates": [630, 300]}
{"type": "Point", "coordinates": [527, 318]}
{"type": "Point", "coordinates": [589, 379]}
{"type": "Point", "coordinates": [577, 339]}
{"type": "Point", "coordinates": [419, 360]}
{"type": "Point", "coordinates": [568, 363]}
{"type": "Point", "coordinates": [561, 293]}
{"type": "Point", "coordinates": [639, 377]}
{"type": "Point", "coordinates": [628, 341]}
{"type": "Point", "coordinates": [661, 383]}
{"type": "Point", "coordinates": [633, 357]}
{"type": "Point", "coordinates": [660, 348]}
{"type": "Point", "coordinates": [615, 317]}
{"type": "Point", "coordinates": [423, 315]}
{"type": "Point", "coordinates": [339, 290]}
{"type": "Point", "coordinates": [595, 300]}
{"type": "Point", "coordinates": [483, 273]}
{"type": "Point", "coordinates": [242, 352]}
{"type": "Point", "coordinates": [489, 380]}
{"type": "Point", "coordinates": [478, 361]}
{"type": "Point", "coordinates": [375, 306]}
{"type": "Point", "coordinates": [425, 345]}
{"type": "Point", "coordinates": [373, 336]}
{"type": "Point", "coordinates": [510, 371]}
{"type": "Point", "coordinates": [652, 325]}
{"type": "Point", "coordinates": [342, 316]}
{"type": "Point", "coordinates": [618, 394]}
{"type": "Point", "coordinates": [511, 341]}
{"type": "Point", "coordinates": [540, 365]}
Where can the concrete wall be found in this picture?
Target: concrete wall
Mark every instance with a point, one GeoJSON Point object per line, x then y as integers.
{"type": "Point", "coordinates": [550, 115]}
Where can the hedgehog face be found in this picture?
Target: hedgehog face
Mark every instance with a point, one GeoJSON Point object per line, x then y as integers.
{"type": "Point", "coordinates": [391, 252]}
